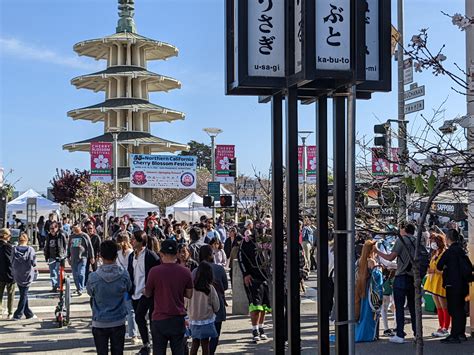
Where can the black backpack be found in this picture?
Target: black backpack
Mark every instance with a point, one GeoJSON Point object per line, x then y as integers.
{"type": "Point", "coordinates": [466, 268]}
{"type": "Point", "coordinates": [423, 257]}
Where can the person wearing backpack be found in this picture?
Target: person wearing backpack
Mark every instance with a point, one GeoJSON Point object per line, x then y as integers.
{"type": "Point", "coordinates": [457, 273]}
{"type": "Point", "coordinates": [79, 251]}
{"type": "Point", "coordinates": [403, 284]}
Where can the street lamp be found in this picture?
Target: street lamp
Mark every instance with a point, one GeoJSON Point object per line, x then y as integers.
{"type": "Point", "coordinates": [304, 135]}
{"type": "Point", "coordinates": [115, 131]}
{"type": "Point", "coordinates": [213, 133]}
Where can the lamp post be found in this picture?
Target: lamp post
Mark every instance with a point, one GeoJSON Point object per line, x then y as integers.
{"type": "Point", "coordinates": [213, 133]}
{"type": "Point", "coordinates": [304, 135]}
{"type": "Point", "coordinates": [115, 131]}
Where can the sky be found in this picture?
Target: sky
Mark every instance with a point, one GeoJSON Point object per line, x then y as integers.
{"type": "Point", "coordinates": [37, 63]}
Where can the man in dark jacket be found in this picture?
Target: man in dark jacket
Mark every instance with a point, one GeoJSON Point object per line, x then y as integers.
{"type": "Point", "coordinates": [6, 277]}
{"type": "Point", "coordinates": [457, 287]}
{"type": "Point", "coordinates": [54, 251]}
{"type": "Point", "coordinates": [95, 241]}
{"type": "Point", "coordinates": [140, 263]}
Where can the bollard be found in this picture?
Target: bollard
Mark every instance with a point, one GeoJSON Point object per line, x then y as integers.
{"type": "Point", "coordinates": [240, 303]}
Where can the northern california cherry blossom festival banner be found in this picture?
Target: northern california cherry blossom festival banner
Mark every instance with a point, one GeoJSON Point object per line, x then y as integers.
{"type": "Point", "coordinates": [224, 153]}
{"type": "Point", "coordinates": [101, 160]}
{"type": "Point", "coordinates": [311, 164]}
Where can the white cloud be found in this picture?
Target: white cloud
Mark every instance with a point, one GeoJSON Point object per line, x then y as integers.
{"type": "Point", "coordinates": [19, 49]}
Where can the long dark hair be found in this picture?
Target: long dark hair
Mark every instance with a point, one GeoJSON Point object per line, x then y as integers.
{"type": "Point", "coordinates": [204, 278]}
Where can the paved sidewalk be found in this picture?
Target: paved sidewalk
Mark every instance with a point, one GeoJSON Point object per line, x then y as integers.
{"type": "Point", "coordinates": [41, 336]}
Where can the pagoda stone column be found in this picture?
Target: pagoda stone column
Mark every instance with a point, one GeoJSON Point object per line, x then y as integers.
{"type": "Point", "coordinates": [127, 83]}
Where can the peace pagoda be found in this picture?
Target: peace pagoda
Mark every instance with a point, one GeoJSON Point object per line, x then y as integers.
{"type": "Point", "coordinates": [127, 84]}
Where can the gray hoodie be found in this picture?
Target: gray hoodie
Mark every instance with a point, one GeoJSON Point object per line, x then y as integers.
{"type": "Point", "coordinates": [80, 247]}
{"type": "Point", "coordinates": [23, 265]}
{"type": "Point", "coordinates": [108, 287]}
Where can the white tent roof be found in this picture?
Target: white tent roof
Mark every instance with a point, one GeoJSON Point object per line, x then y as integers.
{"type": "Point", "coordinates": [224, 191]}
{"type": "Point", "coordinates": [192, 199]}
{"type": "Point", "coordinates": [131, 202]}
{"type": "Point", "coordinates": [43, 205]}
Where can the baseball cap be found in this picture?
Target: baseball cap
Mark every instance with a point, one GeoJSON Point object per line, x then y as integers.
{"type": "Point", "coordinates": [169, 246]}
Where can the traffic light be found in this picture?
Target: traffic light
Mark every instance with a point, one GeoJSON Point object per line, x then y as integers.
{"type": "Point", "coordinates": [226, 201]}
{"type": "Point", "coordinates": [208, 201]}
{"type": "Point", "coordinates": [384, 140]}
{"type": "Point", "coordinates": [233, 167]}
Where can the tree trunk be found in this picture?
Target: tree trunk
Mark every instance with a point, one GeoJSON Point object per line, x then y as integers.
{"type": "Point", "coordinates": [416, 273]}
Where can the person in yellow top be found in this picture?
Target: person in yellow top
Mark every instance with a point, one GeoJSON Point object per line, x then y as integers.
{"type": "Point", "coordinates": [434, 284]}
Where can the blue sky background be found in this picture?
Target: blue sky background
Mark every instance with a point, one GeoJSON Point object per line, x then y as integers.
{"type": "Point", "coordinates": [37, 63]}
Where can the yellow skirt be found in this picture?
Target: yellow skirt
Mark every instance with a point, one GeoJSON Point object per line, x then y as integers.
{"type": "Point", "coordinates": [434, 284]}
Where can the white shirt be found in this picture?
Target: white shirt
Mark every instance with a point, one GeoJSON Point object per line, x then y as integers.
{"type": "Point", "coordinates": [122, 260]}
{"type": "Point", "coordinates": [139, 275]}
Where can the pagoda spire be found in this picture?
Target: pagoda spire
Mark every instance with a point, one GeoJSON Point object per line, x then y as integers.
{"type": "Point", "coordinates": [126, 23]}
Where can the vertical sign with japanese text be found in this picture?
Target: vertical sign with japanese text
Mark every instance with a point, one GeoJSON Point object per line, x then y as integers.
{"type": "Point", "coordinates": [333, 35]}
{"type": "Point", "coordinates": [266, 38]}
{"type": "Point", "coordinates": [311, 164]}
{"type": "Point", "coordinates": [224, 153]}
{"type": "Point", "coordinates": [298, 35]}
{"type": "Point", "coordinates": [300, 163]}
{"type": "Point", "coordinates": [372, 32]}
{"type": "Point", "coordinates": [101, 160]}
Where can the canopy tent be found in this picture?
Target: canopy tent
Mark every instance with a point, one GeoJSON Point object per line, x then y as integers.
{"type": "Point", "coordinates": [189, 209]}
{"type": "Point", "coordinates": [43, 206]}
{"type": "Point", "coordinates": [132, 206]}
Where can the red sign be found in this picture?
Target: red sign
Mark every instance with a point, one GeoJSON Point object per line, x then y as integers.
{"type": "Point", "coordinates": [380, 165]}
{"type": "Point", "coordinates": [101, 161]}
{"type": "Point", "coordinates": [395, 160]}
{"type": "Point", "coordinates": [300, 163]}
{"type": "Point", "coordinates": [224, 153]}
{"type": "Point", "coordinates": [311, 163]}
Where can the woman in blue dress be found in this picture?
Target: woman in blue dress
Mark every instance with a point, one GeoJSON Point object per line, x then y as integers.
{"type": "Point", "coordinates": [368, 294]}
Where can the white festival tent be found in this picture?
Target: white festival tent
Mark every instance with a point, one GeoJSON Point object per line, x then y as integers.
{"type": "Point", "coordinates": [43, 206]}
{"type": "Point", "coordinates": [189, 209]}
{"type": "Point", "coordinates": [133, 207]}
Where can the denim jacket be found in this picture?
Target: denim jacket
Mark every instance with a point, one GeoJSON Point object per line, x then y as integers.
{"type": "Point", "coordinates": [107, 288]}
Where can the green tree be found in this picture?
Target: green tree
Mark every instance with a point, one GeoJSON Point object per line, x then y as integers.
{"type": "Point", "coordinates": [202, 152]}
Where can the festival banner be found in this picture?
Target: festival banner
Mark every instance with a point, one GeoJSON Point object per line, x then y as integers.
{"type": "Point", "coordinates": [101, 161]}
{"type": "Point", "coordinates": [224, 153]}
{"type": "Point", "coordinates": [163, 171]}
{"type": "Point", "coordinates": [300, 163]}
{"type": "Point", "coordinates": [311, 164]}
{"type": "Point", "coordinates": [380, 165]}
{"type": "Point", "coordinates": [395, 167]}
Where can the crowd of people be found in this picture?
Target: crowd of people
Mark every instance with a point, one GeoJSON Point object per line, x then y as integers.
{"type": "Point", "coordinates": [168, 278]}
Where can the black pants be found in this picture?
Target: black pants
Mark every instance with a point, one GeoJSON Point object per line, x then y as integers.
{"type": "Point", "coordinates": [456, 303]}
{"type": "Point", "coordinates": [141, 308]}
{"type": "Point", "coordinates": [404, 288]}
{"type": "Point", "coordinates": [116, 336]}
{"type": "Point", "coordinates": [215, 341]}
{"type": "Point", "coordinates": [172, 330]}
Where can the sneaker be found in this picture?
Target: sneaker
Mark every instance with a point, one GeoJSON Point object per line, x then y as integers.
{"type": "Point", "coordinates": [34, 316]}
{"type": "Point", "coordinates": [14, 319]}
{"type": "Point", "coordinates": [397, 340]}
{"type": "Point", "coordinates": [450, 340]}
{"type": "Point", "coordinates": [145, 350]}
{"type": "Point", "coordinates": [10, 316]}
{"type": "Point", "coordinates": [135, 341]}
{"type": "Point", "coordinates": [388, 333]}
{"type": "Point", "coordinates": [440, 333]}
{"type": "Point", "coordinates": [463, 337]}
{"type": "Point", "coordinates": [79, 293]}
{"type": "Point", "coordinates": [256, 335]}
{"type": "Point", "coordinates": [262, 334]}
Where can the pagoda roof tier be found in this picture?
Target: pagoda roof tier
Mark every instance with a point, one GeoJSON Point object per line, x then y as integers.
{"type": "Point", "coordinates": [99, 48]}
{"type": "Point", "coordinates": [98, 81]}
{"type": "Point", "coordinates": [134, 138]}
{"type": "Point", "coordinates": [98, 112]}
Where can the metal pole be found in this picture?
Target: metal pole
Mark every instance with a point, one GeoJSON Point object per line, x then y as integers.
{"type": "Point", "coordinates": [304, 170]}
{"type": "Point", "coordinates": [322, 224]}
{"type": "Point", "coordinates": [213, 170]}
{"type": "Point", "coordinates": [351, 138]}
{"type": "Point", "coordinates": [278, 279]}
{"type": "Point", "coordinates": [402, 128]}
{"type": "Point", "coordinates": [340, 222]}
{"type": "Point", "coordinates": [115, 136]}
{"type": "Point", "coordinates": [470, 142]}
{"type": "Point", "coordinates": [292, 222]}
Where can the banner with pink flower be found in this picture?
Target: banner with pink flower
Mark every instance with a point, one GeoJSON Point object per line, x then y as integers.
{"type": "Point", "coordinates": [380, 165]}
{"type": "Point", "coordinates": [224, 153]}
{"type": "Point", "coordinates": [101, 161]}
{"type": "Point", "coordinates": [311, 164]}
{"type": "Point", "coordinates": [395, 160]}
{"type": "Point", "coordinates": [300, 163]}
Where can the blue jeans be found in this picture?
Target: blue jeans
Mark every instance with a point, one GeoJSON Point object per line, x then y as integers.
{"type": "Point", "coordinates": [404, 288]}
{"type": "Point", "coordinates": [131, 325]}
{"type": "Point", "coordinates": [23, 304]}
{"type": "Point", "coordinates": [79, 274]}
{"type": "Point", "coordinates": [54, 272]}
